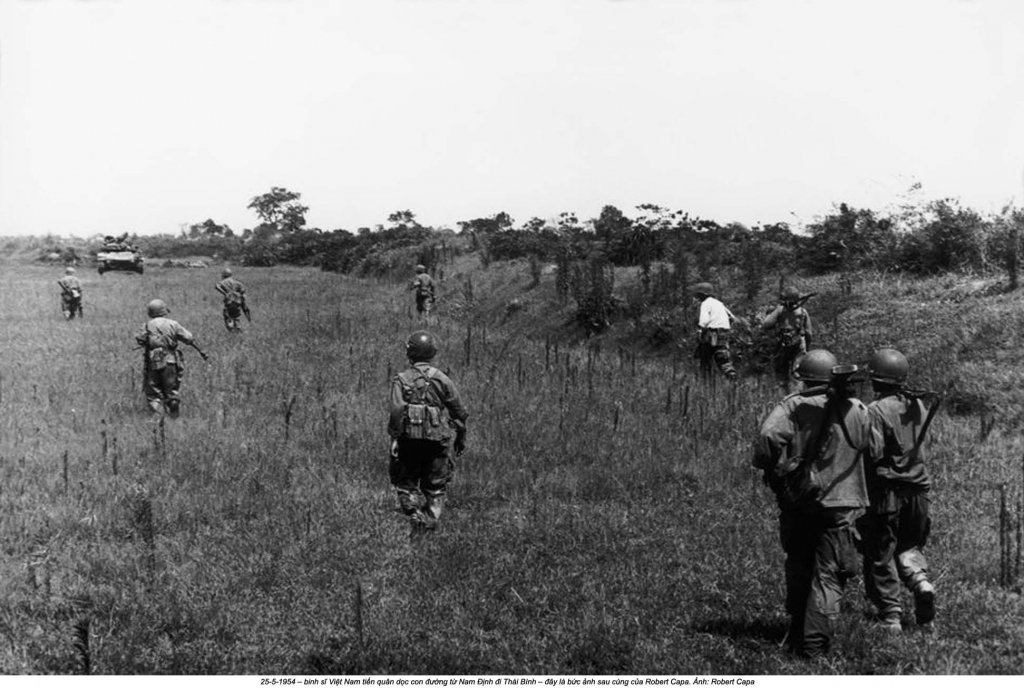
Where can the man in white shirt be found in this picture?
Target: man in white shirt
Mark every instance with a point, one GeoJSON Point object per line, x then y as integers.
{"type": "Point", "coordinates": [715, 328]}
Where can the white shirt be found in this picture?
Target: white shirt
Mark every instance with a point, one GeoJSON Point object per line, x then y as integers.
{"type": "Point", "coordinates": [713, 314]}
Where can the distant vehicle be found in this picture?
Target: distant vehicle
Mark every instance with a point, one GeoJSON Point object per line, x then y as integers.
{"type": "Point", "coordinates": [118, 254]}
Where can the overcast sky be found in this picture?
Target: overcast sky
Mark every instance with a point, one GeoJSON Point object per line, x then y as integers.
{"type": "Point", "coordinates": [146, 116]}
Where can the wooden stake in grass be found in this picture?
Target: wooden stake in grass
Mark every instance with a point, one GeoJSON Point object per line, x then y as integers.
{"type": "Point", "coordinates": [81, 633]}
{"type": "Point", "coordinates": [358, 609]}
{"type": "Point", "coordinates": [287, 409]}
{"type": "Point", "coordinates": [1004, 539]}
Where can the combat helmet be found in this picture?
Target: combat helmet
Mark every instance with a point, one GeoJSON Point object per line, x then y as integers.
{"type": "Point", "coordinates": [421, 346]}
{"type": "Point", "coordinates": [888, 366]}
{"type": "Point", "coordinates": [421, 268]}
{"type": "Point", "coordinates": [789, 295]}
{"type": "Point", "coordinates": [815, 366]}
{"type": "Point", "coordinates": [225, 273]}
{"type": "Point", "coordinates": [157, 308]}
{"type": "Point", "coordinates": [69, 270]}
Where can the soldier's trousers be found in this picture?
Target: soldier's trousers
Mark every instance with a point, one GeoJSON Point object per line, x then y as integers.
{"type": "Point", "coordinates": [714, 349]}
{"type": "Point", "coordinates": [70, 306]}
{"type": "Point", "coordinates": [232, 316]}
{"type": "Point", "coordinates": [163, 387]}
{"type": "Point", "coordinates": [893, 531]}
{"type": "Point", "coordinates": [424, 303]}
{"type": "Point", "coordinates": [820, 558]}
{"type": "Point", "coordinates": [422, 467]}
{"type": "Point", "coordinates": [785, 361]}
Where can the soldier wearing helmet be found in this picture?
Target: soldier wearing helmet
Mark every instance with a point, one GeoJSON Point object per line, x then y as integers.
{"type": "Point", "coordinates": [714, 327]}
{"type": "Point", "coordinates": [792, 325]}
{"type": "Point", "coordinates": [810, 450]}
{"type": "Point", "coordinates": [423, 285]}
{"type": "Point", "coordinates": [70, 294]}
{"type": "Point", "coordinates": [163, 360]}
{"type": "Point", "coordinates": [895, 527]}
{"type": "Point", "coordinates": [425, 412]}
{"type": "Point", "coordinates": [233, 292]}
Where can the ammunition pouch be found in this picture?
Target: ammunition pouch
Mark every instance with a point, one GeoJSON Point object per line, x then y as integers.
{"type": "Point", "coordinates": [796, 487]}
{"type": "Point", "coordinates": [423, 422]}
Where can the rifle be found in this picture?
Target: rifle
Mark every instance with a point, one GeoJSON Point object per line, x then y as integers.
{"type": "Point", "coordinates": [804, 299]}
{"type": "Point", "coordinates": [245, 309]}
{"type": "Point", "coordinates": [932, 410]}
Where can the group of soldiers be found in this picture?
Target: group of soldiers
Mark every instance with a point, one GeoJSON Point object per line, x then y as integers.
{"type": "Point", "coordinates": [848, 478]}
{"type": "Point", "coordinates": [789, 321]}
{"type": "Point", "coordinates": [160, 337]}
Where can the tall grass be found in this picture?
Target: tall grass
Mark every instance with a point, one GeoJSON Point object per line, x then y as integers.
{"type": "Point", "coordinates": [604, 520]}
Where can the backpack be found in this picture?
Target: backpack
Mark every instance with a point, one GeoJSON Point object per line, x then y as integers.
{"type": "Point", "coordinates": [424, 417]}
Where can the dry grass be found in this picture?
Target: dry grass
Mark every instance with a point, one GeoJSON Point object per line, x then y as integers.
{"type": "Point", "coordinates": [604, 520]}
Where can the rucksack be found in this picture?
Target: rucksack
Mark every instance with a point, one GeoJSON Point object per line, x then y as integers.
{"type": "Point", "coordinates": [424, 417]}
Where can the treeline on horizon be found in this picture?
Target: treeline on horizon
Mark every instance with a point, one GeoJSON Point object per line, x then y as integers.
{"type": "Point", "coordinates": [939, 236]}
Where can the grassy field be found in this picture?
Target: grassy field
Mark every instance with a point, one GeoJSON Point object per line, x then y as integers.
{"type": "Point", "coordinates": [604, 520]}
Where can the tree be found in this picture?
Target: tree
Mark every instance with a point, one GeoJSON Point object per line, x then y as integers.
{"type": "Point", "coordinates": [403, 219]}
{"type": "Point", "coordinates": [281, 209]}
{"type": "Point", "coordinates": [209, 228]}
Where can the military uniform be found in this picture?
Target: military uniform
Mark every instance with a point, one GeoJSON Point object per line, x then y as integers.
{"type": "Point", "coordinates": [233, 292]}
{"type": "Point", "coordinates": [423, 285]}
{"type": "Point", "coordinates": [421, 460]}
{"type": "Point", "coordinates": [715, 330]}
{"type": "Point", "coordinates": [70, 296]}
{"type": "Point", "coordinates": [793, 329]}
{"type": "Point", "coordinates": [163, 361]}
{"type": "Point", "coordinates": [895, 527]}
{"type": "Point", "coordinates": [810, 448]}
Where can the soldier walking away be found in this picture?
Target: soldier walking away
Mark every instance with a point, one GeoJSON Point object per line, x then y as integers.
{"type": "Point", "coordinates": [895, 527]}
{"type": "Point", "coordinates": [792, 325]}
{"type": "Point", "coordinates": [163, 360]}
{"type": "Point", "coordinates": [810, 449]}
{"type": "Point", "coordinates": [425, 412]}
{"type": "Point", "coordinates": [714, 328]}
{"type": "Point", "coordinates": [423, 285]}
{"type": "Point", "coordinates": [233, 292]}
{"type": "Point", "coordinates": [70, 294]}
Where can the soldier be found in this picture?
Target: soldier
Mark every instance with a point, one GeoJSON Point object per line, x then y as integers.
{"type": "Point", "coordinates": [233, 292]}
{"type": "Point", "coordinates": [70, 294]}
{"type": "Point", "coordinates": [792, 325]}
{"type": "Point", "coordinates": [163, 362]}
{"type": "Point", "coordinates": [895, 527]}
{"type": "Point", "coordinates": [714, 329]}
{"type": "Point", "coordinates": [810, 449]}
{"type": "Point", "coordinates": [423, 285]}
{"type": "Point", "coordinates": [425, 410]}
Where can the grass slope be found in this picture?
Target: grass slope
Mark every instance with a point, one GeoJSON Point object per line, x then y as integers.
{"type": "Point", "coordinates": [604, 521]}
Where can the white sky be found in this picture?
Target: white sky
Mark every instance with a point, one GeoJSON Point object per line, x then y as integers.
{"type": "Point", "coordinates": [144, 116]}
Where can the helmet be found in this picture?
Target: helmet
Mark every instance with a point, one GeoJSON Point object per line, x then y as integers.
{"type": "Point", "coordinates": [888, 366]}
{"type": "Point", "coordinates": [421, 268]}
{"type": "Point", "coordinates": [421, 346]}
{"type": "Point", "coordinates": [69, 270]}
{"type": "Point", "coordinates": [815, 366]}
{"type": "Point", "coordinates": [789, 294]}
{"type": "Point", "coordinates": [157, 308]}
{"type": "Point", "coordinates": [226, 272]}
{"type": "Point", "coordinates": [703, 289]}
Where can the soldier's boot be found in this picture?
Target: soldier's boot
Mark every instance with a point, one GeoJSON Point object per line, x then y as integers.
{"type": "Point", "coordinates": [924, 603]}
{"type": "Point", "coordinates": [432, 510]}
{"type": "Point", "coordinates": [792, 642]}
{"type": "Point", "coordinates": [173, 407]}
{"type": "Point", "coordinates": [156, 405]}
{"type": "Point", "coordinates": [406, 502]}
{"type": "Point", "coordinates": [890, 621]}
